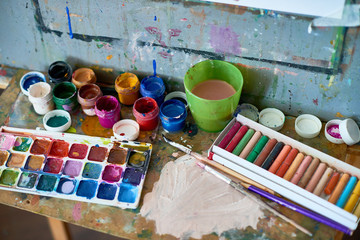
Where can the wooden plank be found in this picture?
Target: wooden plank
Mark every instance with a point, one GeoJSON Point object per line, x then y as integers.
{"type": "Point", "coordinates": [59, 229]}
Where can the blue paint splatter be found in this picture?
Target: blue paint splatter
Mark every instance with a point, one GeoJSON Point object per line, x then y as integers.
{"type": "Point", "coordinates": [154, 67]}
{"type": "Point", "coordinates": [99, 6]}
{"type": "Point", "coordinates": [69, 21]}
{"type": "Point", "coordinates": [155, 18]}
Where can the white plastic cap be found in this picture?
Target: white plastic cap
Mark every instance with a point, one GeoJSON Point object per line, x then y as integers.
{"type": "Point", "coordinates": [126, 129]}
{"type": "Point", "coordinates": [349, 131]}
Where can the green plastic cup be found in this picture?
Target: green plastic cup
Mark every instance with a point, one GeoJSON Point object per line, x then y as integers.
{"type": "Point", "coordinates": [213, 115]}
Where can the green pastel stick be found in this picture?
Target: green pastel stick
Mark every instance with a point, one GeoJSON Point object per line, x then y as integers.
{"type": "Point", "coordinates": [243, 142]}
{"type": "Point", "coordinates": [257, 149]}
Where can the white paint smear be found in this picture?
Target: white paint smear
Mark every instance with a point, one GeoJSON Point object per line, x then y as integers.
{"type": "Point", "coordinates": [189, 202]}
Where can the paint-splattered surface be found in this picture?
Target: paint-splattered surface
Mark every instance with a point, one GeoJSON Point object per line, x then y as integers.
{"type": "Point", "coordinates": [128, 223]}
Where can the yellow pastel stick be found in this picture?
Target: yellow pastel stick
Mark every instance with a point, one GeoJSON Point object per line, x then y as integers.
{"type": "Point", "coordinates": [353, 198]}
{"type": "Point", "coordinates": [357, 211]}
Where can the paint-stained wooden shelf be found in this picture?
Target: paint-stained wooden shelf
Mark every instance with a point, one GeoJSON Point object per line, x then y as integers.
{"type": "Point", "coordinates": [16, 111]}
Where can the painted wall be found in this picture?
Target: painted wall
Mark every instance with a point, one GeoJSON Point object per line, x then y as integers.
{"type": "Point", "coordinates": [284, 66]}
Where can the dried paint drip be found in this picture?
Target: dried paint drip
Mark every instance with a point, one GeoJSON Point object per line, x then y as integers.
{"type": "Point", "coordinates": [182, 182]}
{"type": "Point", "coordinates": [334, 131]}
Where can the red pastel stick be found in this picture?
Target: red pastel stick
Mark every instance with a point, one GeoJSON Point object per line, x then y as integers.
{"type": "Point", "coordinates": [233, 130]}
{"type": "Point", "coordinates": [287, 162]}
{"type": "Point", "coordinates": [238, 136]}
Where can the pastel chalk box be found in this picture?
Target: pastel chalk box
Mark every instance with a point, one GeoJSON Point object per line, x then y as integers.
{"type": "Point", "coordinates": [342, 131]}
{"type": "Point", "coordinates": [307, 126]}
{"type": "Point", "coordinates": [282, 186]}
{"type": "Point", "coordinates": [71, 166]}
{"type": "Point", "coordinates": [272, 118]}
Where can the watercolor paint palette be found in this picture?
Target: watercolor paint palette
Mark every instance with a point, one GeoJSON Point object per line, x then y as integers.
{"type": "Point", "coordinates": [73, 166]}
{"type": "Point", "coordinates": [246, 165]}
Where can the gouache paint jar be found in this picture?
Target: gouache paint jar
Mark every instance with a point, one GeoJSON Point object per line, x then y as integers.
{"type": "Point", "coordinates": [172, 115]}
{"type": "Point", "coordinates": [107, 108]}
{"type": "Point", "coordinates": [83, 76]}
{"type": "Point", "coordinates": [40, 96]}
{"type": "Point", "coordinates": [64, 96]}
{"type": "Point", "coordinates": [87, 97]}
{"type": "Point", "coordinates": [59, 72]}
{"type": "Point", "coordinates": [153, 87]}
{"type": "Point", "coordinates": [146, 112]}
{"type": "Point", "coordinates": [127, 85]}
{"type": "Point", "coordinates": [29, 79]}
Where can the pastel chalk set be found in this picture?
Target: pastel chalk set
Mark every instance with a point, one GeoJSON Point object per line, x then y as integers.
{"type": "Point", "coordinates": [73, 166]}
{"type": "Point", "coordinates": [298, 172]}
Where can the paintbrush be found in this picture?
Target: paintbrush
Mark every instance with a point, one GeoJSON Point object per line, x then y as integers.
{"type": "Point", "coordinates": [263, 192]}
{"type": "Point", "coordinates": [250, 195]}
{"type": "Point", "coordinates": [226, 170]}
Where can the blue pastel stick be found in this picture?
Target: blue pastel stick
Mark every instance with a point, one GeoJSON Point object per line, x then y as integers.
{"type": "Point", "coordinates": [346, 193]}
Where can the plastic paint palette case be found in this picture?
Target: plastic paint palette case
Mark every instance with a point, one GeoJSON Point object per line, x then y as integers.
{"type": "Point", "coordinates": [71, 166]}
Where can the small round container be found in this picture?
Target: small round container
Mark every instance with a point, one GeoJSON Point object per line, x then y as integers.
{"type": "Point", "coordinates": [87, 97]}
{"type": "Point", "coordinates": [83, 76]}
{"type": "Point", "coordinates": [40, 96]}
{"type": "Point", "coordinates": [107, 108]}
{"type": "Point", "coordinates": [60, 71]}
{"type": "Point", "coordinates": [272, 118]}
{"type": "Point", "coordinates": [181, 96]}
{"type": "Point", "coordinates": [146, 112]}
{"type": "Point", "coordinates": [153, 87]}
{"type": "Point", "coordinates": [126, 129]}
{"type": "Point", "coordinates": [248, 110]}
{"type": "Point", "coordinates": [127, 85]}
{"type": "Point", "coordinates": [64, 96]}
{"type": "Point", "coordinates": [29, 79]}
{"type": "Point", "coordinates": [332, 131]}
{"type": "Point", "coordinates": [57, 121]}
{"type": "Point", "coordinates": [172, 115]}
{"type": "Point", "coordinates": [307, 126]}
{"type": "Point", "coordinates": [342, 131]}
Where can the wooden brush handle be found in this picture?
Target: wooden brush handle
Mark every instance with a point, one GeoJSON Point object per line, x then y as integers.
{"type": "Point", "coordinates": [230, 172]}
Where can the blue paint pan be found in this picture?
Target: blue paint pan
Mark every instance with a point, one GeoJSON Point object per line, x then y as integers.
{"type": "Point", "coordinates": [173, 114]}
